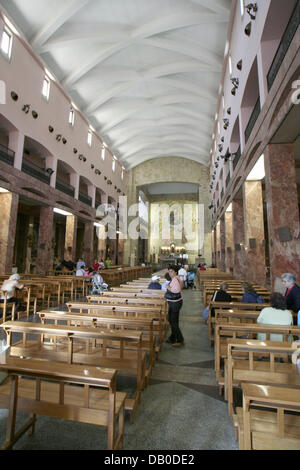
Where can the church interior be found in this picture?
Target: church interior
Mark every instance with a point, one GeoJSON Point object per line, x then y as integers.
{"type": "Point", "coordinates": [138, 137]}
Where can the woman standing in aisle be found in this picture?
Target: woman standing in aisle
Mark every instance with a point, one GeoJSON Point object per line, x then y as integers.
{"type": "Point", "coordinates": [174, 298]}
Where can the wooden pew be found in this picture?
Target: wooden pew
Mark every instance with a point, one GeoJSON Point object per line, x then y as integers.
{"type": "Point", "coordinates": [3, 307]}
{"type": "Point", "coordinates": [160, 321]}
{"type": "Point", "coordinates": [108, 322]}
{"type": "Point", "coordinates": [84, 346]}
{"type": "Point", "coordinates": [235, 292]}
{"type": "Point", "coordinates": [117, 298]}
{"type": "Point", "coordinates": [266, 430]}
{"type": "Point", "coordinates": [227, 306]}
{"type": "Point", "coordinates": [258, 371]}
{"type": "Point", "coordinates": [92, 397]}
{"type": "Point", "coordinates": [225, 333]}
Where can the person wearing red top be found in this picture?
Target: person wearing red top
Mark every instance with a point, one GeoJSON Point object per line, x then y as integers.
{"type": "Point", "coordinates": [95, 265]}
{"type": "Point", "coordinates": [175, 286]}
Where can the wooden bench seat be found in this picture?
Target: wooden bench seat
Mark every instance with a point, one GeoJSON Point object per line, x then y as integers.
{"type": "Point", "coordinates": [92, 397]}
{"type": "Point", "coordinates": [160, 325]}
{"type": "Point", "coordinates": [229, 309]}
{"type": "Point", "coordinates": [270, 371]}
{"type": "Point", "coordinates": [82, 346]}
{"type": "Point", "coordinates": [226, 333]}
{"type": "Point", "coordinates": [109, 321]}
{"type": "Point", "coordinates": [125, 288]}
{"type": "Point", "coordinates": [266, 423]}
{"type": "Point", "coordinates": [269, 397]}
{"type": "Point", "coordinates": [113, 298]}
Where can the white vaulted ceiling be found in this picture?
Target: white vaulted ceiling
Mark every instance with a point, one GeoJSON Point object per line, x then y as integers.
{"type": "Point", "coordinates": [146, 73]}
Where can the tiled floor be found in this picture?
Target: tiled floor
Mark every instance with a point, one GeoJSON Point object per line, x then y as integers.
{"type": "Point", "coordinates": [180, 409]}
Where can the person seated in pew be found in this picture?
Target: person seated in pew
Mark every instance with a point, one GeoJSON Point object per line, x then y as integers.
{"type": "Point", "coordinates": [292, 293]}
{"type": "Point", "coordinates": [80, 264]}
{"type": "Point", "coordinates": [221, 295]}
{"type": "Point", "coordinates": [250, 295]}
{"type": "Point", "coordinates": [98, 284]}
{"type": "Point", "coordinates": [9, 285]}
{"type": "Point", "coordinates": [277, 314]}
{"type": "Point", "coordinates": [80, 272]}
{"type": "Point", "coordinates": [155, 284]}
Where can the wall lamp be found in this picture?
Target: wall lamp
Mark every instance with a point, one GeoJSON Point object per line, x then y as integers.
{"type": "Point", "coordinates": [14, 96]}
{"type": "Point", "coordinates": [247, 30]}
{"type": "Point", "coordinates": [34, 115]}
{"type": "Point", "coordinates": [251, 7]}
{"type": "Point", "coordinates": [49, 171]}
{"type": "Point", "coordinates": [211, 206]}
{"type": "Point", "coordinates": [239, 65]}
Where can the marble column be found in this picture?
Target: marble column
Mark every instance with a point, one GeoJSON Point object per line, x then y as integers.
{"type": "Point", "coordinates": [218, 246]}
{"type": "Point", "coordinates": [29, 244]}
{"type": "Point", "coordinates": [282, 211]}
{"type": "Point", "coordinates": [101, 242]}
{"type": "Point", "coordinates": [88, 240]}
{"type": "Point", "coordinates": [228, 242]}
{"type": "Point", "coordinates": [222, 244]}
{"type": "Point", "coordinates": [44, 262]}
{"type": "Point", "coordinates": [214, 247]}
{"type": "Point", "coordinates": [9, 203]}
{"type": "Point", "coordinates": [255, 234]}
{"type": "Point", "coordinates": [70, 238]}
{"type": "Point", "coordinates": [239, 254]}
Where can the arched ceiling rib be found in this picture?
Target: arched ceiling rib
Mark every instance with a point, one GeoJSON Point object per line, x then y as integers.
{"type": "Point", "coordinates": [146, 72]}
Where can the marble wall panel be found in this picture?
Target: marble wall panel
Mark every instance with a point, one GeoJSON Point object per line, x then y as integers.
{"type": "Point", "coordinates": [228, 242]}
{"type": "Point", "coordinates": [45, 245]}
{"type": "Point", "coordinates": [282, 211]}
{"type": "Point", "coordinates": [70, 237]}
{"type": "Point", "coordinates": [8, 220]}
{"type": "Point", "coordinates": [255, 237]}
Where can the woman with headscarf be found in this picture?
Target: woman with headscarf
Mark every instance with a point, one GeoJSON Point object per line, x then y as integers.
{"type": "Point", "coordinates": [9, 286]}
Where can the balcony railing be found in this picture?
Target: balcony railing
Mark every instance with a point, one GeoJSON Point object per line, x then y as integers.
{"type": "Point", "coordinates": [35, 172]}
{"type": "Point", "coordinates": [284, 45]}
{"type": "Point", "coordinates": [237, 157]}
{"type": "Point", "coordinates": [85, 199]}
{"type": "Point", "coordinates": [7, 155]}
{"type": "Point", "coordinates": [252, 120]}
{"type": "Point", "coordinates": [65, 188]}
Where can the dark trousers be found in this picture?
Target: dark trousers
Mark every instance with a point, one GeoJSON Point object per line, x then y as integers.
{"type": "Point", "coordinates": [10, 301]}
{"type": "Point", "coordinates": [173, 317]}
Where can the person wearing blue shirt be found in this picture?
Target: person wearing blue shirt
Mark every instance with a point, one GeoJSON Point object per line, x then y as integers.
{"type": "Point", "coordinates": [155, 284]}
